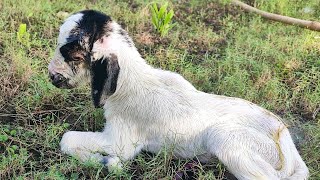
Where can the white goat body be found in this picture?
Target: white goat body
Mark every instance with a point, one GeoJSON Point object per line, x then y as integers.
{"type": "Point", "coordinates": [152, 108]}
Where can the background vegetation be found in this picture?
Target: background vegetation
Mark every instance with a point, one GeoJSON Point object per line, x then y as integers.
{"type": "Point", "coordinates": [219, 48]}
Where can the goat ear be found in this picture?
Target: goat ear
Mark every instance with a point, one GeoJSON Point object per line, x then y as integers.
{"type": "Point", "coordinates": [104, 73]}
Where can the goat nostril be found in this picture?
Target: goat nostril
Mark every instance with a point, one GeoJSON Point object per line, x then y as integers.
{"type": "Point", "coordinates": [57, 78]}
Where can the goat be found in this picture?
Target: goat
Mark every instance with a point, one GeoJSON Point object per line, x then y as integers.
{"type": "Point", "coordinates": [147, 108]}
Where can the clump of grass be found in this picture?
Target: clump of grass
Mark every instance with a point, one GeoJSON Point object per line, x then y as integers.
{"type": "Point", "coordinates": [161, 18]}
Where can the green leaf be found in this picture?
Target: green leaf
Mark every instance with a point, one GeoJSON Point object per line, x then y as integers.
{"type": "Point", "coordinates": [22, 29]}
{"type": "Point", "coordinates": [6, 130]}
{"type": "Point", "coordinates": [154, 18]}
{"type": "Point", "coordinates": [155, 7]}
{"type": "Point", "coordinates": [165, 29]}
{"type": "Point", "coordinates": [23, 36]}
{"type": "Point", "coordinates": [3, 138]}
{"type": "Point", "coordinates": [30, 14]}
{"type": "Point", "coordinates": [168, 17]}
{"type": "Point", "coordinates": [14, 147]}
{"type": "Point", "coordinates": [66, 125]}
{"type": "Point", "coordinates": [162, 11]}
{"type": "Point", "coordinates": [13, 132]}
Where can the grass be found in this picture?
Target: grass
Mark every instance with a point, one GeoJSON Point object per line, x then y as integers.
{"type": "Point", "coordinates": [217, 47]}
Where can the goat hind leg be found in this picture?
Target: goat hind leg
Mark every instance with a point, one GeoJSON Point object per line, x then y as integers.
{"type": "Point", "coordinates": [246, 165]}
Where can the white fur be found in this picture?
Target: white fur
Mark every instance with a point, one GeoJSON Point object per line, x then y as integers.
{"type": "Point", "coordinates": [69, 24]}
{"type": "Point", "coordinates": [152, 108]}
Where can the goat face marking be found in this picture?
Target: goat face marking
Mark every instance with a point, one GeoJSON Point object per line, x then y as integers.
{"type": "Point", "coordinates": [71, 62]}
{"type": "Point", "coordinates": [74, 60]}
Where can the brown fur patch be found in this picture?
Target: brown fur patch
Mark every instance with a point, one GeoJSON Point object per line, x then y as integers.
{"type": "Point", "coordinates": [276, 138]}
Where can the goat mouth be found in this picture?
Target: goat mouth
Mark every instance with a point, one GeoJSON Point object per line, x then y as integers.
{"type": "Point", "coordinates": [63, 85]}
{"type": "Point", "coordinates": [60, 81]}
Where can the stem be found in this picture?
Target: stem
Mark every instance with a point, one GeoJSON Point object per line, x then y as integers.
{"type": "Point", "coordinates": [312, 25]}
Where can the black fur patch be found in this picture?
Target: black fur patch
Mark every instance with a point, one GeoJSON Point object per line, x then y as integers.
{"type": "Point", "coordinates": [99, 76]}
{"type": "Point", "coordinates": [104, 73]}
{"type": "Point", "coordinates": [113, 70]}
{"type": "Point", "coordinates": [91, 26]}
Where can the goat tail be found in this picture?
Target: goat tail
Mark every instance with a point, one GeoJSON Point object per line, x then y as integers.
{"type": "Point", "coordinates": [292, 166]}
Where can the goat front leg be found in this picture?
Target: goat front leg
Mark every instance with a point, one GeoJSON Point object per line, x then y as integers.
{"type": "Point", "coordinates": [85, 145]}
{"type": "Point", "coordinates": [94, 145]}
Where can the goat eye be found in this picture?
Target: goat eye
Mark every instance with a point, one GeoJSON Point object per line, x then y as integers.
{"type": "Point", "coordinates": [77, 58]}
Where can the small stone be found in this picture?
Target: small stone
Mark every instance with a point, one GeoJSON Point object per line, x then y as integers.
{"type": "Point", "coordinates": [62, 14]}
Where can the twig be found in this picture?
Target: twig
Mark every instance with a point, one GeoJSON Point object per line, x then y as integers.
{"type": "Point", "coordinates": [34, 113]}
{"type": "Point", "coordinates": [315, 113]}
{"type": "Point", "coordinates": [312, 25]}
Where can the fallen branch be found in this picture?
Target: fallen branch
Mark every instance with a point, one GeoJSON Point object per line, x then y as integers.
{"type": "Point", "coordinates": [312, 25]}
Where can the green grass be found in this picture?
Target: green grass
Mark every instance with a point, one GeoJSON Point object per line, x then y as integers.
{"type": "Point", "coordinates": [217, 47]}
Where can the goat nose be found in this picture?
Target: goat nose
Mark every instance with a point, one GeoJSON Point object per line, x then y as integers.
{"type": "Point", "coordinates": [58, 79]}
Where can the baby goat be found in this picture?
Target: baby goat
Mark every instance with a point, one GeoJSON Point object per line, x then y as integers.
{"type": "Point", "coordinates": [148, 108]}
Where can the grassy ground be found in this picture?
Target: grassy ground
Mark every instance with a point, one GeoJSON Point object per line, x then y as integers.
{"type": "Point", "coordinates": [217, 47]}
